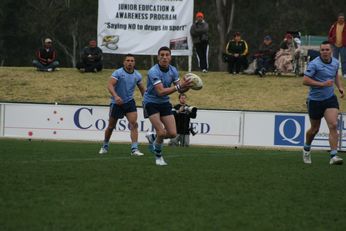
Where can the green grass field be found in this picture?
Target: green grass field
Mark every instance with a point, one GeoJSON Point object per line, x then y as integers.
{"type": "Point", "coordinates": [68, 186]}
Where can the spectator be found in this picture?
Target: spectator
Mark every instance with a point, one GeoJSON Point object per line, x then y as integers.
{"type": "Point", "coordinates": [265, 56]}
{"type": "Point", "coordinates": [199, 33]}
{"type": "Point", "coordinates": [284, 57]}
{"type": "Point", "coordinates": [337, 37]}
{"type": "Point", "coordinates": [46, 57]}
{"type": "Point", "coordinates": [91, 58]}
{"type": "Point", "coordinates": [182, 114]}
{"type": "Point", "coordinates": [236, 54]}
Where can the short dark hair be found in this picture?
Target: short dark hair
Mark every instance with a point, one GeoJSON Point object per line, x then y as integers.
{"type": "Point", "coordinates": [164, 49]}
{"type": "Point", "coordinates": [128, 55]}
{"type": "Point", "coordinates": [181, 95]}
{"type": "Point", "coordinates": [325, 42]}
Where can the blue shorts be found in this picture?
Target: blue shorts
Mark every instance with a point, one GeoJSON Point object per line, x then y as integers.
{"type": "Point", "coordinates": [119, 111]}
{"type": "Point", "coordinates": [164, 109]}
{"type": "Point", "coordinates": [316, 109]}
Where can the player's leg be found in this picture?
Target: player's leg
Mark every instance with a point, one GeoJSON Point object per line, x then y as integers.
{"type": "Point", "coordinates": [156, 147]}
{"type": "Point", "coordinates": [312, 131]}
{"type": "Point", "coordinates": [132, 118]}
{"type": "Point", "coordinates": [331, 117]}
{"type": "Point", "coordinates": [316, 112]}
{"type": "Point", "coordinates": [108, 133]}
{"type": "Point", "coordinates": [115, 112]}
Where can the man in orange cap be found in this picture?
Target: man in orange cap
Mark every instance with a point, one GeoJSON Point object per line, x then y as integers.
{"type": "Point", "coordinates": [199, 33]}
{"type": "Point", "coordinates": [91, 58]}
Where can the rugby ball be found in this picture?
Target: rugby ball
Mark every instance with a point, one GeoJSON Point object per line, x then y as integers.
{"type": "Point", "coordinates": [197, 83]}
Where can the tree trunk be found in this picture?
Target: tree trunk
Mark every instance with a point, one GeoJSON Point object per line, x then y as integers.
{"type": "Point", "coordinates": [223, 16]}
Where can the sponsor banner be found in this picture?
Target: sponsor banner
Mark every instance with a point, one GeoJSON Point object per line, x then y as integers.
{"type": "Point", "coordinates": [267, 129]}
{"type": "Point", "coordinates": [289, 130]}
{"type": "Point", "coordinates": [66, 122]}
{"type": "Point", "coordinates": [213, 127]}
{"type": "Point", "coordinates": [142, 27]}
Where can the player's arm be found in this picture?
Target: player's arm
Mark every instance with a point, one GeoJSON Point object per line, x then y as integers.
{"type": "Point", "coordinates": [307, 81]}
{"type": "Point", "coordinates": [141, 87]}
{"type": "Point", "coordinates": [111, 86]}
{"type": "Point", "coordinates": [181, 86]}
{"type": "Point", "coordinates": [338, 84]}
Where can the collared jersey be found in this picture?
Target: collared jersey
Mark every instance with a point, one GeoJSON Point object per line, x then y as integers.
{"type": "Point", "coordinates": [156, 76]}
{"type": "Point", "coordinates": [321, 72]}
{"type": "Point", "coordinates": [126, 83]}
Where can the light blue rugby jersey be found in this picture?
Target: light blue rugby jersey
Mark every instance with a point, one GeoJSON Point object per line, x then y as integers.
{"type": "Point", "coordinates": [321, 71]}
{"type": "Point", "coordinates": [126, 84]}
{"type": "Point", "coordinates": [156, 76]}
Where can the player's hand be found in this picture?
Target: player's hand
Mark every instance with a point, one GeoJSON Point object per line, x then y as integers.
{"type": "Point", "coordinates": [118, 101]}
{"type": "Point", "coordinates": [341, 90]}
{"type": "Point", "coordinates": [186, 83]}
{"type": "Point", "coordinates": [328, 83]}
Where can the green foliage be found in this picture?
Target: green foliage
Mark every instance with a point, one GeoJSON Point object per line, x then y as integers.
{"type": "Point", "coordinates": [24, 23]}
{"type": "Point", "coordinates": [68, 186]}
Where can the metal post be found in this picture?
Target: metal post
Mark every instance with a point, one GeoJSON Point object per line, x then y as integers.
{"type": "Point", "coordinates": [340, 130]}
{"type": "Point", "coordinates": [2, 119]}
{"type": "Point", "coordinates": [190, 63]}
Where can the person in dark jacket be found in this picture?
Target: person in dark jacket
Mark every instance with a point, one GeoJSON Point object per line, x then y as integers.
{"type": "Point", "coordinates": [46, 57]}
{"type": "Point", "coordinates": [265, 56]}
{"type": "Point", "coordinates": [236, 54]}
{"type": "Point", "coordinates": [337, 37]}
{"type": "Point", "coordinates": [182, 114]}
{"type": "Point", "coordinates": [199, 33]}
{"type": "Point", "coordinates": [91, 58]}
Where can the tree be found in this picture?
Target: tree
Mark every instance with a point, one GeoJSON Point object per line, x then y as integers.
{"type": "Point", "coordinates": [225, 15]}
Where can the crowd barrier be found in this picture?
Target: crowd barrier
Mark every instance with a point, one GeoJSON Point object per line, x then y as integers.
{"type": "Point", "coordinates": [213, 127]}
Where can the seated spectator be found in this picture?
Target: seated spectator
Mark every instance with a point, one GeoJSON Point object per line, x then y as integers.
{"type": "Point", "coordinates": [46, 57]}
{"type": "Point", "coordinates": [236, 54]}
{"type": "Point", "coordinates": [286, 54]}
{"type": "Point", "coordinates": [265, 56]}
{"type": "Point", "coordinates": [91, 58]}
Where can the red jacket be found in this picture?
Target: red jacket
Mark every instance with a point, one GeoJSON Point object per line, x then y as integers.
{"type": "Point", "coordinates": [332, 35]}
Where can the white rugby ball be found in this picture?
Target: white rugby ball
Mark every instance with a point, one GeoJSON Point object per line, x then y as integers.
{"type": "Point", "coordinates": [197, 83]}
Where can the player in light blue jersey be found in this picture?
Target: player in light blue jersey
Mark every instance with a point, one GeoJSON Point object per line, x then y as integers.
{"type": "Point", "coordinates": [320, 76]}
{"type": "Point", "coordinates": [156, 103]}
{"type": "Point", "coordinates": [121, 86]}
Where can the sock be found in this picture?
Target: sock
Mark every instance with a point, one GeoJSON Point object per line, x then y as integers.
{"type": "Point", "coordinates": [134, 146]}
{"type": "Point", "coordinates": [105, 144]}
{"type": "Point", "coordinates": [333, 153]}
{"type": "Point", "coordinates": [157, 149]}
{"type": "Point", "coordinates": [307, 147]}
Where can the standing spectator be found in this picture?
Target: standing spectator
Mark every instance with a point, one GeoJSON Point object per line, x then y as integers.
{"type": "Point", "coordinates": [91, 58]}
{"type": "Point", "coordinates": [46, 57]}
{"type": "Point", "coordinates": [320, 76]}
{"type": "Point", "coordinates": [156, 101]}
{"type": "Point", "coordinates": [265, 56]}
{"type": "Point", "coordinates": [199, 32]}
{"type": "Point", "coordinates": [182, 114]}
{"type": "Point", "coordinates": [337, 37]}
{"type": "Point", "coordinates": [121, 86]}
{"type": "Point", "coordinates": [236, 54]}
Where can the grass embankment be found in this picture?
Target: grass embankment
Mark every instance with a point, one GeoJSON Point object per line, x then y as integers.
{"type": "Point", "coordinates": [221, 90]}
